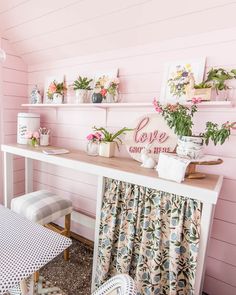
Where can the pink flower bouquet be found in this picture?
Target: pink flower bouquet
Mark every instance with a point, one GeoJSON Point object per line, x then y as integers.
{"type": "Point", "coordinates": [33, 137]}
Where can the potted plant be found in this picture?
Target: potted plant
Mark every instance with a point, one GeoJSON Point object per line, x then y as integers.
{"type": "Point", "coordinates": [180, 118]}
{"type": "Point", "coordinates": [56, 92]}
{"type": "Point", "coordinates": [33, 138]}
{"type": "Point", "coordinates": [81, 87]}
{"type": "Point", "coordinates": [106, 89]}
{"type": "Point", "coordinates": [216, 79]}
{"type": "Point", "coordinates": [109, 141]}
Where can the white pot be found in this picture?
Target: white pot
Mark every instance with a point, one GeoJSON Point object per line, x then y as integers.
{"type": "Point", "coordinates": [107, 149]}
{"type": "Point", "coordinates": [57, 98]}
{"type": "Point", "coordinates": [81, 96]}
{"type": "Point", "coordinates": [190, 147]}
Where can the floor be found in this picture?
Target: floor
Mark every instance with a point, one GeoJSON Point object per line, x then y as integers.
{"type": "Point", "coordinates": [73, 277]}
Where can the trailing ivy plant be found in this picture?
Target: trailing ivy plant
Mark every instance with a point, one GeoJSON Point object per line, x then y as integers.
{"type": "Point", "coordinates": [82, 83]}
{"type": "Point", "coordinates": [215, 133]}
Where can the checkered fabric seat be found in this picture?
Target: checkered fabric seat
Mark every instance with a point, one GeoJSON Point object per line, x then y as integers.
{"type": "Point", "coordinates": [44, 207]}
{"type": "Point", "coordinates": [41, 206]}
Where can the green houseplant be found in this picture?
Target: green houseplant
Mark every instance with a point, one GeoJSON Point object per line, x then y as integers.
{"type": "Point", "coordinates": [180, 118]}
{"type": "Point", "coordinates": [216, 80]}
{"type": "Point", "coordinates": [81, 87]}
{"type": "Point", "coordinates": [109, 140]}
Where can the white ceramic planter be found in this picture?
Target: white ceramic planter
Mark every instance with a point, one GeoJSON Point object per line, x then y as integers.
{"type": "Point", "coordinates": [81, 96]}
{"type": "Point", "coordinates": [57, 98]}
{"type": "Point", "coordinates": [190, 147]}
{"type": "Point", "coordinates": [107, 149]}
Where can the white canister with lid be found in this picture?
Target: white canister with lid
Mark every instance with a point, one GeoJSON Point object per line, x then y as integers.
{"type": "Point", "coordinates": [26, 122]}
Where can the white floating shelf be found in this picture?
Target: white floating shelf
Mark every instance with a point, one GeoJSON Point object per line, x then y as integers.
{"type": "Point", "coordinates": [213, 104]}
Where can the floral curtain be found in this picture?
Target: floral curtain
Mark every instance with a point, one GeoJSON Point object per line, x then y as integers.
{"type": "Point", "coordinates": [151, 235]}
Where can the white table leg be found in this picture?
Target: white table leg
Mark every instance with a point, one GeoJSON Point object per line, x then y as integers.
{"type": "Point", "coordinates": [8, 178]}
{"type": "Point", "coordinates": [100, 193]}
{"type": "Point", "coordinates": [206, 225]}
{"type": "Point", "coordinates": [28, 175]}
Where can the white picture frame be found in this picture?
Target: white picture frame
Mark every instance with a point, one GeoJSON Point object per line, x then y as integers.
{"type": "Point", "coordinates": [173, 87]}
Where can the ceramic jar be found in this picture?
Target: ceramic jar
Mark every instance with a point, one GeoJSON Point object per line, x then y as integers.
{"type": "Point", "coordinates": [96, 97]}
{"type": "Point", "coordinates": [81, 96]}
{"type": "Point", "coordinates": [190, 147]}
{"type": "Point", "coordinates": [92, 148]}
{"type": "Point", "coordinates": [107, 149]}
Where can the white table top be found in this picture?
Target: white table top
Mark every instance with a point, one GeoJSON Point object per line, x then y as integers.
{"type": "Point", "coordinates": [206, 190]}
{"type": "Point", "coordinates": [24, 248]}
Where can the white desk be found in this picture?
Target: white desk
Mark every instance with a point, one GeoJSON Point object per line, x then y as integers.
{"type": "Point", "coordinates": [206, 190]}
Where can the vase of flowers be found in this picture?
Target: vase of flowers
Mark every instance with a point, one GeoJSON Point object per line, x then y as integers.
{"type": "Point", "coordinates": [180, 118]}
{"type": "Point", "coordinates": [109, 141]}
{"type": "Point", "coordinates": [82, 87]}
{"type": "Point", "coordinates": [56, 92]}
{"type": "Point", "coordinates": [94, 140]}
{"type": "Point", "coordinates": [33, 138]}
{"type": "Point", "coordinates": [106, 89]}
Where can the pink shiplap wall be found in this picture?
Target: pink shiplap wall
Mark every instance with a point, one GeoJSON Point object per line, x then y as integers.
{"type": "Point", "coordinates": [14, 79]}
{"type": "Point", "coordinates": [141, 70]}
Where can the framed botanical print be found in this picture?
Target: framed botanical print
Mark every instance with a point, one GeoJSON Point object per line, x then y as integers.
{"type": "Point", "coordinates": [178, 77]}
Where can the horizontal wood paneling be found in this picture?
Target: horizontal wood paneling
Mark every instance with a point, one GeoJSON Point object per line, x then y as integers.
{"type": "Point", "coordinates": [15, 91]}
{"type": "Point", "coordinates": [141, 71]}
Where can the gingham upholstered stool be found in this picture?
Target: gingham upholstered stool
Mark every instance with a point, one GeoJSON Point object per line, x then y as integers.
{"type": "Point", "coordinates": [44, 207]}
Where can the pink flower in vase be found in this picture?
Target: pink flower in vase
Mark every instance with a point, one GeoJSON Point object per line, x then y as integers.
{"type": "Point", "coordinates": [103, 92]}
{"type": "Point", "coordinates": [28, 135]}
{"type": "Point", "coordinates": [90, 136]}
{"type": "Point", "coordinates": [196, 100]}
{"type": "Point", "coordinates": [36, 135]}
{"type": "Point", "coordinates": [52, 88]}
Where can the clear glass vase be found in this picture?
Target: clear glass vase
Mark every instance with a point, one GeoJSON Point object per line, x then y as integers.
{"type": "Point", "coordinates": [92, 148]}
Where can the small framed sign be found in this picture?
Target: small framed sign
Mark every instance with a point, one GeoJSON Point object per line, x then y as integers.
{"type": "Point", "coordinates": [152, 132]}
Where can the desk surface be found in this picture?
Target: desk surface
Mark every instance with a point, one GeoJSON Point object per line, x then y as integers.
{"type": "Point", "coordinates": [206, 190]}
{"type": "Point", "coordinates": [24, 248]}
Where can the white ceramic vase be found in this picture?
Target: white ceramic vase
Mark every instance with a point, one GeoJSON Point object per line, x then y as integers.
{"type": "Point", "coordinates": [190, 147]}
{"type": "Point", "coordinates": [81, 96]}
{"type": "Point", "coordinates": [57, 98]}
{"type": "Point", "coordinates": [107, 149]}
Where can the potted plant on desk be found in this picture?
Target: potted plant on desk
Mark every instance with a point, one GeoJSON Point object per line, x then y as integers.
{"type": "Point", "coordinates": [180, 118]}
{"type": "Point", "coordinates": [81, 87]}
{"type": "Point", "coordinates": [109, 141]}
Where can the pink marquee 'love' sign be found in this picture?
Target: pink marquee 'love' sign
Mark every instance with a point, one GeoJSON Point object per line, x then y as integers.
{"type": "Point", "coordinates": [152, 132]}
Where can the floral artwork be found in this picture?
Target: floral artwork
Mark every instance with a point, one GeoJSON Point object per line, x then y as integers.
{"type": "Point", "coordinates": [151, 235]}
{"type": "Point", "coordinates": [178, 77]}
{"type": "Point", "coordinates": [55, 87]}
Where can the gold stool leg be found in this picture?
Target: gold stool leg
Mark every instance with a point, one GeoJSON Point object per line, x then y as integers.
{"type": "Point", "coordinates": [67, 234]}
{"type": "Point", "coordinates": [36, 276]}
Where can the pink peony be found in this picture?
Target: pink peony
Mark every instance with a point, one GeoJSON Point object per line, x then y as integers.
{"type": "Point", "coordinates": [28, 135]}
{"type": "Point", "coordinates": [90, 136]}
{"type": "Point", "coordinates": [98, 135]}
{"type": "Point", "coordinates": [36, 135]}
{"type": "Point", "coordinates": [196, 100]}
{"type": "Point", "coordinates": [52, 88]}
{"type": "Point", "coordinates": [103, 92]}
